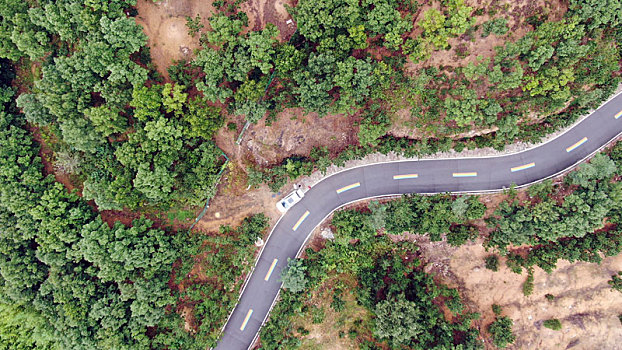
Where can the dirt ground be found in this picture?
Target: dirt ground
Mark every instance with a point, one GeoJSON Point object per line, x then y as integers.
{"type": "Point", "coordinates": [515, 11]}
{"type": "Point", "coordinates": [473, 46]}
{"type": "Point", "coordinates": [584, 302]}
{"type": "Point", "coordinates": [262, 12]}
{"type": "Point", "coordinates": [164, 23]}
{"type": "Point", "coordinates": [230, 207]}
{"type": "Point", "coordinates": [234, 200]}
{"type": "Point", "coordinates": [294, 133]}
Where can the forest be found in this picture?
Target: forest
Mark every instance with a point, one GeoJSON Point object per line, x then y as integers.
{"type": "Point", "coordinates": [81, 98]}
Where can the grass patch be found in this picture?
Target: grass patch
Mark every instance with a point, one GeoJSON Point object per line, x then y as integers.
{"type": "Point", "coordinates": [322, 327]}
{"type": "Point", "coordinates": [181, 215]}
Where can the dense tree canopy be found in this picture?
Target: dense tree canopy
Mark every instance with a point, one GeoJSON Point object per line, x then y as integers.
{"type": "Point", "coordinates": [546, 219]}
{"type": "Point", "coordinates": [293, 277]}
{"type": "Point", "coordinates": [94, 286]}
{"type": "Point", "coordinates": [92, 93]}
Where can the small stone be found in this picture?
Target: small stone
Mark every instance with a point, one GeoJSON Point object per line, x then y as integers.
{"type": "Point", "coordinates": [327, 234]}
{"type": "Point", "coordinates": [217, 214]}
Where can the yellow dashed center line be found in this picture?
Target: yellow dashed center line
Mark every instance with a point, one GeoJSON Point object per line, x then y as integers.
{"type": "Point", "coordinates": [405, 176]}
{"type": "Point", "coordinates": [470, 174]}
{"type": "Point", "coordinates": [271, 269]}
{"type": "Point", "coordinates": [523, 167]}
{"type": "Point", "coordinates": [576, 145]}
{"type": "Point", "coordinates": [302, 218]}
{"type": "Point", "coordinates": [248, 316]}
{"type": "Point", "coordinates": [349, 187]}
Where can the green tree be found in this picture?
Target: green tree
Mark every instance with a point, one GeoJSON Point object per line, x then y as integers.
{"type": "Point", "coordinates": [492, 262]}
{"type": "Point", "coordinates": [204, 120]}
{"type": "Point", "coordinates": [24, 329]}
{"type": "Point", "coordinates": [33, 109]}
{"type": "Point", "coordinates": [370, 131]}
{"type": "Point", "coordinates": [501, 331]}
{"type": "Point", "coordinates": [156, 184]}
{"type": "Point", "coordinates": [497, 26]}
{"type": "Point", "coordinates": [173, 98]}
{"type": "Point", "coordinates": [597, 14]}
{"type": "Point", "coordinates": [194, 25]}
{"type": "Point", "coordinates": [81, 134]}
{"type": "Point", "coordinates": [106, 120]}
{"type": "Point", "coordinates": [397, 321]}
{"type": "Point", "coordinates": [294, 276]}
{"type": "Point", "coordinates": [616, 282]}
{"type": "Point", "coordinates": [224, 29]}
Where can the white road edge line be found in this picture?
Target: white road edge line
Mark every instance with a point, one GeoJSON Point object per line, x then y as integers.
{"type": "Point", "coordinates": [532, 146]}
{"type": "Point", "coordinates": [394, 195]}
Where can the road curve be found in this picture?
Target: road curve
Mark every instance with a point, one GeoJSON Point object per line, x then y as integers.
{"type": "Point", "coordinates": [402, 177]}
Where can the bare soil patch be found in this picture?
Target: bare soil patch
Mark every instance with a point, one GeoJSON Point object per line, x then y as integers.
{"type": "Point", "coordinates": [515, 11]}
{"type": "Point", "coordinates": [164, 23]}
{"type": "Point", "coordinates": [584, 302]}
{"type": "Point", "coordinates": [262, 12]}
{"type": "Point", "coordinates": [232, 205]}
{"type": "Point", "coordinates": [234, 200]}
{"type": "Point", "coordinates": [296, 133]}
{"type": "Point", "coordinates": [292, 133]}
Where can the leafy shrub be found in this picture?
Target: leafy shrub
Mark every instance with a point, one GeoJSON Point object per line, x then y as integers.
{"type": "Point", "coordinates": [496, 309]}
{"type": "Point", "coordinates": [293, 276]}
{"type": "Point", "coordinates": [528, 284]}
{"type": "Point", "coordinates": [501, 331]}
{"type": "Point", "coordinates": [616, 282]}
{"type": "Point", "coordinates": [553, 324]}
{"type": "Point", "coordinates": [497, 26]}
{"type": "Point", "coordinates": [492, 262]}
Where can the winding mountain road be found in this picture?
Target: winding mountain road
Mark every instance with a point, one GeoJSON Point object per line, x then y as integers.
{"type": "Point", "coordinates": [402, 177]}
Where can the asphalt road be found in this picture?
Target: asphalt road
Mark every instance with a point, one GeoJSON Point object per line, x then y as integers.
{"type": "Point", "coordinates": [417, 176]}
